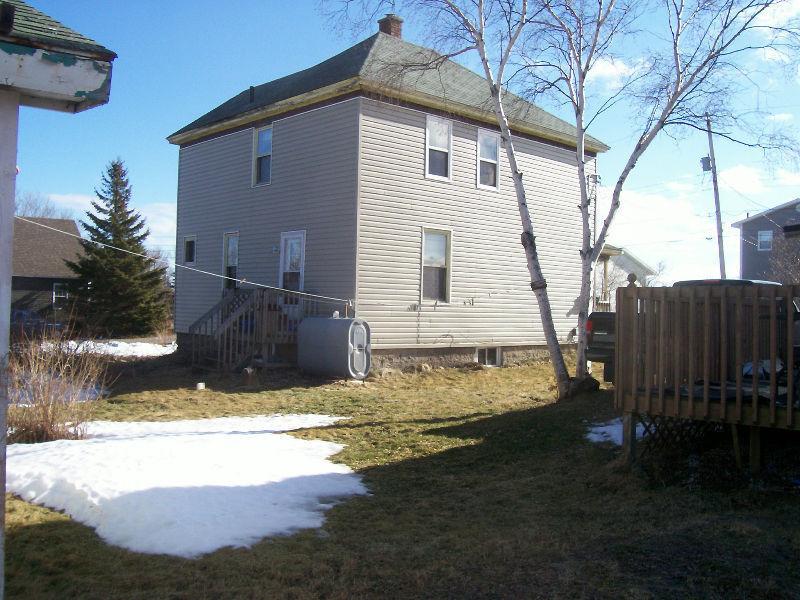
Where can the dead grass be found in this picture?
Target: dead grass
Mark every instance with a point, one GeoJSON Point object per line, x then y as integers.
{"type": "Point", "coordinates": [52, 389]}
{"type": "Point", "coordinates": [482, 487]}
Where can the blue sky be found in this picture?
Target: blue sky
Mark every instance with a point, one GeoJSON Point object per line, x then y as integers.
{"type": "Point", "coordinates": [181, 58]}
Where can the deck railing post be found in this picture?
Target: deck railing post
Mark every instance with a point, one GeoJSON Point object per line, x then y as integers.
{"type": "Point", "coordinates": [629, 421]}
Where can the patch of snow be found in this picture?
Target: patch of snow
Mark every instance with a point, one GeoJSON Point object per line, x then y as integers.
{"type": "Point", "coordinates": [120, 348]}
{"type": "Point", "coordinates": [187, 488]}
{"type": "Point", "coordinates": [611, 431]}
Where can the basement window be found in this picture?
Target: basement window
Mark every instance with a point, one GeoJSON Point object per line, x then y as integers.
{"type": "Point", "coordinates": [490, 357]}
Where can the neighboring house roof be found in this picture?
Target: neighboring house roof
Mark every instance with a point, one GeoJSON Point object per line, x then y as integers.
{"type": "Point", "coordinates": [386, 65]}
{"type": "Point", "coordinates": [36, 29]}
{"type": "Point", "coordinates": [764, 213]}
{"type": "Point", "coordinates": [40, 252]}
{"type": "Point", "coordinates": [637, 264]}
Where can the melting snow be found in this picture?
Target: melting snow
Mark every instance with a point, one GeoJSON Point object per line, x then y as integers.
{"type": "Point", "coordinates": [119, 348]}
{"type": "Point", "coordinates": [187, 487]}
{"type": "Point", "coordinates": [611, 431]}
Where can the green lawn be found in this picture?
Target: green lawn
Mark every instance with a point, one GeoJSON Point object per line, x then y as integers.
{"type": "Point", "coordinates": [481, 486]}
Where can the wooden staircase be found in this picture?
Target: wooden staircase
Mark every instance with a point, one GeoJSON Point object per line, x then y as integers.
{"type": "Point", "coordinates": [255, 325]}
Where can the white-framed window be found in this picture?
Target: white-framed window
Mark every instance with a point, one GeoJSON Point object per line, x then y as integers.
{"type": "Point", "coordinates": [60, 295]}
{"type": "Point", "coordinates": [488, 160]}
{"type": "Point", "coordinates": [262, 151]}
{"type": "Point", "coordinates": [490, 357]}
{"type": "Point", "coordinates": [291, 274]}
{"type": "Point", "coordinates": [438, 148]}
{"type": "Point", "coordinates": [189, 249]}
{"type": "Point", "coordinates": [765, 241]}
{"type": "Point", "coordinates": [436, 265]}
{"type": "Point", "coordinates": [230, 259]}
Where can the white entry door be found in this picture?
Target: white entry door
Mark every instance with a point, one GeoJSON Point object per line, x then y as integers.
{"type": "Point", "coordinates": [293, 260]}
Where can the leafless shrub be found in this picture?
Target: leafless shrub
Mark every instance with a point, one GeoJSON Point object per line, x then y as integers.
{"type": "Point", "coordinates": [52, 388]}
{"type": "Point", "coordinates": [784, 265]}
{"type": "Point", "coordinates": [34, 204]}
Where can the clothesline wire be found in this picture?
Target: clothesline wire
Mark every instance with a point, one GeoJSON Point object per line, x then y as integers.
{"type": "Point", "coordinates": [188, 268]}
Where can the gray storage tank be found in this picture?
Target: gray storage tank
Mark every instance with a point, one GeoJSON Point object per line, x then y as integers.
{"type": "Point", "coordinates": [334, 346]}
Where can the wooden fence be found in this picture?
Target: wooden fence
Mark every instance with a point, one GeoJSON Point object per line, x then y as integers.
{"type": "Point", "coordinates": [710, 352]}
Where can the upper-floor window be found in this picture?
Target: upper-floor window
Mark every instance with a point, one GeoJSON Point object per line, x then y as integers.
{"type": "Point", "coordinates": [263, 158]}
{"type": "Point", "coordinates": [230, 260]}
{"type": "Point", "coordinates": [438, 148]}
{"type": "Point", "coordinates": [189, 249]}
{"type": "Point", "coordinates": [488, 159]}
{"type": "Point", "coordinates": [435, 264]}
{"type": "Point", "coordinates": [765, 240]}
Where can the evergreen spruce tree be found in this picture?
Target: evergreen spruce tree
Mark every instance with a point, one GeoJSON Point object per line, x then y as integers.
{"type": "Point", "coordinates": [117, 293]}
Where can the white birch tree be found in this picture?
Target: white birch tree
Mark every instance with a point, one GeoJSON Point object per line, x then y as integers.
{"type": "Point", "coordinates": [693, 70]}
{"type": "Point", "coordinates": [491, 29]}
{"type": "Point", "coordinates": [556, 44]}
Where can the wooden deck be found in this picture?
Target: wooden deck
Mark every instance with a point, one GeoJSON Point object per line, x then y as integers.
{"type": "Point", "coordinates": [257, 324]}
{"type": "Point", "coordinates": [725, 354]}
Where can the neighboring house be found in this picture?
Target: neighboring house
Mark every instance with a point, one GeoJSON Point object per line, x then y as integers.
{"type": "Point", "coordinates": [41, 278]}
{"type": "Point", "coordinates": [758, 234]}
{"type": "Point", "coordinates": [612, 270]}
{"type": "Point", "coordinates": [389, 187]}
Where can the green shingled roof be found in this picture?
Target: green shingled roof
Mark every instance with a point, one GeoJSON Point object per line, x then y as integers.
{"type": "Point", "coordinates": [34, 28]}
{"type": "Point", "coordinates": [394, 65]}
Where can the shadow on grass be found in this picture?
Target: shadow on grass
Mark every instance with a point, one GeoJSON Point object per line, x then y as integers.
{"type": "Point", "coordinates": [172, 371]}
{"type": "Point", "coordinates": [512, 505]}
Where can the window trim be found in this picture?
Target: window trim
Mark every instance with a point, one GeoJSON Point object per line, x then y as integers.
{"type": "Point", "coordinates": [284, 235]}
{"type": "Point", "coordinates": [449, 262]}
{"type": "Point", "coordinates": [771, 239]}
{"type": "Point", "coordinates": [225, 235]}
{"type": "Point", "coordinates": [498, 355]}
{"type": "Point", "coordinates": [66, 292]}
{"type": "Point", "coordinates": [428, 147]}
{"type": "Point", "coordinates": [187, 238]}
{"type": "Point", "coordinates": [256, 156]}
{"type": "Point", "coordinates": [496, 136]}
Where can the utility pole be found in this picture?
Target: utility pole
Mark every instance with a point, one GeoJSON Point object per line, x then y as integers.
{"type": "Point", "coordinates": [710, 164]}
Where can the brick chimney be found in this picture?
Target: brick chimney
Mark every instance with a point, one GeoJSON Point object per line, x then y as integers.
{"type": "Point", "coordinates": [392, 25]}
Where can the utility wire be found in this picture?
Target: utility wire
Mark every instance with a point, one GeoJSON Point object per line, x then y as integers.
{"type": "Point", "coordinates": [749, 199]}
{"type": "Point", "coordinates": [176, 265]}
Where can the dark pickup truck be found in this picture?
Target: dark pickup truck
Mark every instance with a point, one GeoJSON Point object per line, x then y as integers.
{"type": "Point", "coordinates": [600, 337]}
{"type": "Point", "coordinates": [601, 326]}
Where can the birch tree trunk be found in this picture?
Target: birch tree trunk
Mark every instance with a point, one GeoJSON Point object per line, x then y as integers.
{"type": "Point", "coordinates": [587, 263]}
{"type": "Point", "coordinates": [528, 239]}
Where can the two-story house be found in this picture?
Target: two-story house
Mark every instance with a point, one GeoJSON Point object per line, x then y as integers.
{"type": "Point", "coordinates": [760, 236]}
{"type": "Point", "coordinates": [365, 179]}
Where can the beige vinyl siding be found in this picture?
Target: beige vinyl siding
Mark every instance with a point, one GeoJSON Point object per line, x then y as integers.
{"type": "Point", "coordinates": [490, 298]}
{"type": "Point", "coordinates": [314, 183]}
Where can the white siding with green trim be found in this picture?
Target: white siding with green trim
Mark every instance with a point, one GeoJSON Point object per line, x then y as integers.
{"type": "Point", "coordinates": [490, 300]}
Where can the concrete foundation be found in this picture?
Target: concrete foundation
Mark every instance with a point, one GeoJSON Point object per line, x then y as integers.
{"type": "Point", "coordinates": [402, 359]}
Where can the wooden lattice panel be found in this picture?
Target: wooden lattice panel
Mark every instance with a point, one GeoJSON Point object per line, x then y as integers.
{"type": "Point", "coordinates": [668, 432]}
